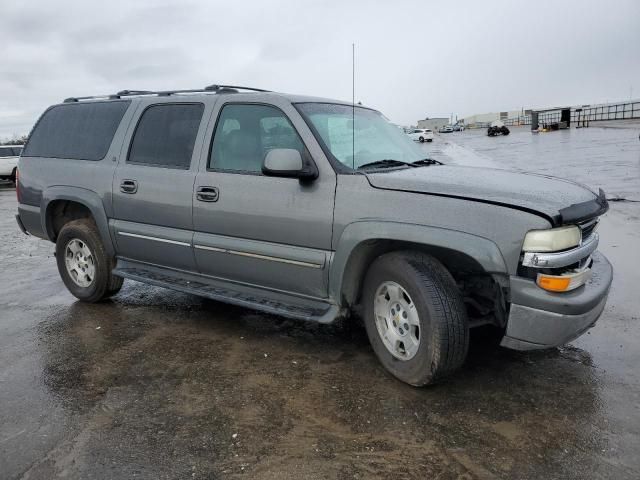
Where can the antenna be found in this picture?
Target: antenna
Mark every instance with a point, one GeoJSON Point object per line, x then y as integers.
{"type": "Point", "coordinates": [353, 106]}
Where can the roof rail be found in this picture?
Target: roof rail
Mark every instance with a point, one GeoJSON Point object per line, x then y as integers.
{"type": "Point", "coordinates": [217, 89]}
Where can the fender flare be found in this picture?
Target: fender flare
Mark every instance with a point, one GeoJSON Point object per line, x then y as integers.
{"type": "Point", "coordinates": [89, 199]}
{"type": "Point", "coordinates": [484, 251]}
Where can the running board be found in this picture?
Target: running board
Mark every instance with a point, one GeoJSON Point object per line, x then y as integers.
{"type": "Point", "coordinates": [276, 303]}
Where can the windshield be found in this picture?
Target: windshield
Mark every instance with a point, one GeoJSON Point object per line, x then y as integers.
{"type": "Point", "coordinates": [359, 136]}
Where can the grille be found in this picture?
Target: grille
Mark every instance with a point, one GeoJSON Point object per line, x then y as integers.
{"type": "Point", "coordinates": [588, 228]}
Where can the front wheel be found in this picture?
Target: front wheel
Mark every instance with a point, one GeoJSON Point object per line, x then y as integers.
{"type": "Point", "coordinates": [415, 317]}
{"type": "Point", "coordinates": [421, 139]}
{"type": "Point", "coordinates": [83, 264]}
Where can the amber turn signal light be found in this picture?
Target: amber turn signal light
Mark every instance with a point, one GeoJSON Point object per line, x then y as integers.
{"type": "Point", "coordinates": [563, 283]}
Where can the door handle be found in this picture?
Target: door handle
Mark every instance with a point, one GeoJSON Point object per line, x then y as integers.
{"type": "Point", "coordinates": [207, 194]}
{"type": "Point", "coordinates": [129, 186]}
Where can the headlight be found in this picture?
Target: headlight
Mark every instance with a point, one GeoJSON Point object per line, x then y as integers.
{"type": "Point", "coordinates": [552, 240]}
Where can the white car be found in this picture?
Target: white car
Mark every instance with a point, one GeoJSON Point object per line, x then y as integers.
{"type": "Point", "coordinates": [421, 135]}
{"type": "Point", "coordinates": [9, 155]}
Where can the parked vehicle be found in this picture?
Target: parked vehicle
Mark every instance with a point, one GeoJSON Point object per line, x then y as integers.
{"type": "Point", "coordinates": [9, 155]}
{"type": "Point", "coordinates": [446, 129]}
{"type": "Point", "coordinates": [421, 135]}
{"type": "Point", "coordinates": [458, 128]}
{"type": "Point", "coordinates": [497, 128]}
{"type": "Point", "coordinates": [493, 131]}
{"type": "Point", "coordinates": [311, 209]}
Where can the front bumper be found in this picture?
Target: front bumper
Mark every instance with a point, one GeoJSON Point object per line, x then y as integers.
{"type": "Point", "coordinates": [540, 319]}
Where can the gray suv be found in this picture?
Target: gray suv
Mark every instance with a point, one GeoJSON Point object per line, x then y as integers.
{"type": "Point", "coordinates": [311, 209]}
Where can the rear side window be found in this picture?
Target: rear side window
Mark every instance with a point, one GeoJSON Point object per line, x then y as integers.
{"type": "Point", "coordinates": [80, 131]}
{"type": "Point", "coordinates": [166, 134]}
{"type": "Point", "coordinates": [7, 152]}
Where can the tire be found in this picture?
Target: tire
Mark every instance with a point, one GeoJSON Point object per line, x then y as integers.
{"type": "Point", "coordinates": [115, 284]}
{"type": "Point", "coordinates": [442, 330]}
{"type": "Point", "coordinates": [95, 282]}
{"type": "Point", "coordinates": [421, 139]}
{"type": "Point", "coordinates": [13, 176]}
{"type": "Point", "coordinates": [429, 140]}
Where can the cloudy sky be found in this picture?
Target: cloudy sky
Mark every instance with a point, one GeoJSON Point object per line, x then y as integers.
{"type": "Point", "coordinates": [413, 58]}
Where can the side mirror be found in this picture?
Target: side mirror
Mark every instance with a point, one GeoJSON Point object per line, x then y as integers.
{"type": "Point", "coordinates": [287, 162]}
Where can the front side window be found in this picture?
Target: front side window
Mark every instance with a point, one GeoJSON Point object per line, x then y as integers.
{"type": "Point", "coordinates": [166, 134]}
{"type": "Point", "coordinates": [358, 136]}
{"type": "Point", "coordinates": [245, 133]}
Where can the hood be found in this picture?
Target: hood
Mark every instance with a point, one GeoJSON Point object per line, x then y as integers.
{"type": "Point", "coordinates": [559, 201]}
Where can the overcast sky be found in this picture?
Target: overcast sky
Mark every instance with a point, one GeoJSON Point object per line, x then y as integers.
{"type": "Point", "coordinates": [413, 59]}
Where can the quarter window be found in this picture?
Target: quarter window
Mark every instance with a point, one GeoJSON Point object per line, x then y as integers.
{"type": "Point", "coordinates": [80, 131]}
{"type": "Point", "coordinates": [245, 133]}
{"type": "Point", "coordinates": [166, 135]}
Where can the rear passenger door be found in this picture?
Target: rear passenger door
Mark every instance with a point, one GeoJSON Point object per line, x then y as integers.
{"type": "Point", "coordinates": [153, 184]}
{"type": "Point", "coordinates": [250, 228]}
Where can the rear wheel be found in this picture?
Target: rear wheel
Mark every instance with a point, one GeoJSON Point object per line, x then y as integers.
{"type": "Point", "coordinates": [83, 264]}
{"type": "Point", "coordinates": [415, 317]}
{"type": "Point", "coordinates": [421, 139]}
{"type": "Point", "coordinates": [13, 176]}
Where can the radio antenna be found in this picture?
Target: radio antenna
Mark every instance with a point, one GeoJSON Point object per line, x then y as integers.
{"type": "Point", "coordinates": [353, 105]}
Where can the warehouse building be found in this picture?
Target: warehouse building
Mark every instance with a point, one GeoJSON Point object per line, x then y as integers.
{"type": "Point", "coordinates": [484, 119]}
{"type": "Point", "coordinates": [433, 123]}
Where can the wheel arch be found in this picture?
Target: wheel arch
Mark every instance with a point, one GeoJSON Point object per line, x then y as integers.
{"type": "Point", "coordinates": [362, 242]}
{"type": "Point", "coordinates": [63, 204]}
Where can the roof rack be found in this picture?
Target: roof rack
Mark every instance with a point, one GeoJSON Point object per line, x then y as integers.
{"type": "Point", "coordinates": [217, 89]}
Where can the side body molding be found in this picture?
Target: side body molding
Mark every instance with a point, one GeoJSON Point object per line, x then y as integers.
{"type": "Point", "coordinates": [356, 236]}
{"type": "Point", "coordinates": [89, 199]}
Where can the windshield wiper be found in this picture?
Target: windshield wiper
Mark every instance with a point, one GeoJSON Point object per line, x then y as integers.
{"type": "Point", "coordinates": [426, 162]}
{"type": "Point", "coordinates": [386, 163]}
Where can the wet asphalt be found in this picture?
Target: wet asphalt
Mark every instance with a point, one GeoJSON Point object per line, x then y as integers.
{"type": "Point", "coordinates": [158, 384]}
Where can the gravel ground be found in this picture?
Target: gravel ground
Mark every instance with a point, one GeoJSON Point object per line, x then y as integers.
{"type": "Point", "coordinates": [158, 384]}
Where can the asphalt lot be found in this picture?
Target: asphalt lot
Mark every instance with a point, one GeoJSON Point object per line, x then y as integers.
{"type": "Point", "coordinates": [158, 384]}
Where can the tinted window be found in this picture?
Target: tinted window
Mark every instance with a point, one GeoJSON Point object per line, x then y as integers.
{"type": "Point", "coordinates": [6, 152]}
{"type": "Point", "coordinates": [81, 131]}
{"type": "Point", "coordinates": [245, 133]}
{"type": "Point", "coordinates": [17, 151]}
{"type": "Point", "coordinates": [166, 134]}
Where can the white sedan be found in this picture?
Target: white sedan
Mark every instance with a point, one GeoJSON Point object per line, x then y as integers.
{"type": "Point", "coordinates": [9, 155]}
{"type": "Point", "coordinates": [421, 135]}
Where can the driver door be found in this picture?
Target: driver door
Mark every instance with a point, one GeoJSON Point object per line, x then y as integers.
{"type": "Point", "coordinates": [254, 229]}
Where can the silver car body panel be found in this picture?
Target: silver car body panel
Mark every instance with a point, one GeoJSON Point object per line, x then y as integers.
{"type": "Point", "coordinates": [287, 239]}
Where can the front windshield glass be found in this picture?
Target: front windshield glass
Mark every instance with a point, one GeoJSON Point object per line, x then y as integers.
{"type": "Point", "coordinates": [359, 136]}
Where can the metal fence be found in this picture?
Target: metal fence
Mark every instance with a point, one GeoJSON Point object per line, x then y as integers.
{"type": "Point", "coordinates": [618, 111]}
{"type": "Point", "coordinates": [520, 120]}
{"type": "Point", "coordinates": [582, 116]}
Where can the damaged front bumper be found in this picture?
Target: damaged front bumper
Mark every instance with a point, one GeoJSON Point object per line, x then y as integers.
{"type": "Point", "coordinates": [541, 319]}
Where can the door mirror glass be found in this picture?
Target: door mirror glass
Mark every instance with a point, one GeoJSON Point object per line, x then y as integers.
{"type": "Point", "coordinates": [286, 162]}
